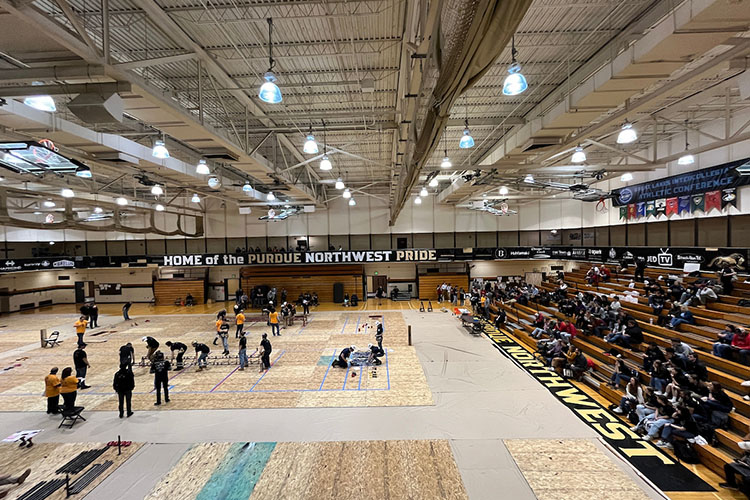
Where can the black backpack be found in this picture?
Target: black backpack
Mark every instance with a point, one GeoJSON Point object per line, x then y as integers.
{"type": "Point", "coordinates": [744, 303]}
{"type": "Point", "coordinates": [719, 420]}
{"type": "Point", "coordinates": [121, 381]}
{"type": "Point", "coordinates": [685, 452]}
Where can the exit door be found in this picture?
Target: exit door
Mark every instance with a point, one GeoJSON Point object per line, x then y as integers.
{"type": "Point", "coordinates": [231, 285]}
{"type": "Point", "coordinates": [380, 281]}
{"type": "Point", "coordinates": [80, 292]}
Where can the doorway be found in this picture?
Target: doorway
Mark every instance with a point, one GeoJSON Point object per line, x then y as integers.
{"type": "Point", "coordinates": [84, 290]}
{"type": "Point", "coordinates": [380, 281]}
{"type": "Point", "coordinates": [231, 285]}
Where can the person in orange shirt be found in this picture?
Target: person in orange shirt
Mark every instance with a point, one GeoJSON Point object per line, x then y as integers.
{"type": "Point", "coordinates": [52, 391]}
{"type": "Point", "coordinates": [69, 388]}
{"type": "Point", "coordinates": [80, 326]}
{"type": "Point", "coordinates": [273, 320]}
{"type": "Point", "coordinates": [219, 321]}
{"type": "Point", "coordinates": [239, 320]}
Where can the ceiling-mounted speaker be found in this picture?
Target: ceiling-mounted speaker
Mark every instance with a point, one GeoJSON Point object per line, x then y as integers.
{"type": "Point", "coordinates": [97, 108]}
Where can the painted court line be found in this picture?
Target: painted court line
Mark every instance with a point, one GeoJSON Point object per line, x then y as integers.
{"type": "Point", "coordinates": [327, 369]}
{"type": "Point", "coordinates": [359, 385]}
{"type": "Point", "coordinates": [345, 322]}
{"type": "Point", "coordinates": [225, 378]}
{"type": "Point", "coordinates": [356, 328]}
{"type": "Point", "coordinates": [346, 377]}
{"type": "Point", "coordinates": [264, 373]}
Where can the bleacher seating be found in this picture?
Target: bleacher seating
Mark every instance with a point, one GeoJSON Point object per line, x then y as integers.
{"type": "Point", "coordinates": [710, 320]}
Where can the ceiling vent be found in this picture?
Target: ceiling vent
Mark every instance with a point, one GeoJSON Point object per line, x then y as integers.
{"type": "Point", "coordinates": [540, 142]}
{"type": "Point", "coordinates": [220, 154]}
{"type": "Point", "coordinates": [97, 108]}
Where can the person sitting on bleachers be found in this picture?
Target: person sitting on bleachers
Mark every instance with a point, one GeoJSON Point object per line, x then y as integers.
{"type": "Point", "coordinates": [653, 353]}
{"type": "Point", "coordinates": [566, 330]}
{"type": "Point", "coordinates": [633, 397]}
{"type": "Point", "coordinates": [693, 366]}
{"type": "Point", "coordinates": [681, 349]}
{"type": "Point", "coordinates": [629, 334]}
{"type": "Point", "coordinates": [622, 373]}
{"type": "Point", "coordinates": [706, 295]}
{"type": "Point", "coordinates": [683, 426]}
{"type": "Point", "coordinates": [548, 329]}
{"type": "Point", "coordinates": [739, 468]}
{"type": "Point", "coordinates": [740, 345]}
{"type": "Point", "coordinates": [684, 316]}
{"type": "Point", "coordinates": [716, 401]}
{"type": "Point", "coordinates": [659, 376]}
{"type": "Point", "coordinates": [539, 320]}
{"type": "Point", "coordinates": [653, 416]}
{"type": "Point", "coordinates": [656, 301]}
{"type": "Point", "coordinates": [574, 361]}
{"type": "Point", "coordinates": [593, 276]}
{"type": "Point", "coordinates": [606, 274]}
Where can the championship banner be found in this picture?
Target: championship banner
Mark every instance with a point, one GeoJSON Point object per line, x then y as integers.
{"type": "Point", "coordinates": [650, 208]}
{"type": "Point", "coordinates": [713, 200]}
{"type": "Point", "coordinates": [657, 466]}
{"type": "Point", "coordinates": [729, 197]}
{"type": "Point", "coordinates": [672, 206]}
{"type": "Point", "coordinates": [632, 210]}
{"type": "Point", "coordinates": [692, 183]}
{"type": "Point", "coordinates": [623, 213]}
{"type": "Point", "coordinates": [698, 203]}
{"type": "Point", "coordinates": [661, 207]}
{"type": "Point", "coordinates": [684, 202]}
{"type": "Point", "coordinates": [641, 208]}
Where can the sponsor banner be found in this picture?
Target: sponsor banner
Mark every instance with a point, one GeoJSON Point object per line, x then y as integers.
{"type": "Point", "coordinates": [657, 466]}
{"type": "Point", "coordinates": [692, 183]}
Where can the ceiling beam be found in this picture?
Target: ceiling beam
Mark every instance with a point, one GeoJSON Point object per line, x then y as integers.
{"type": "Point", "coordinates": [28, 75]}
{"type": "Point", "coordinates": [81, 88]}
{"type": "Point", "coordinates": [156, 61]}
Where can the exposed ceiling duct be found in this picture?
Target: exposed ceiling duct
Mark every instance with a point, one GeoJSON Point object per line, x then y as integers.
{"type": "Point", "coordinates": [97, 108]}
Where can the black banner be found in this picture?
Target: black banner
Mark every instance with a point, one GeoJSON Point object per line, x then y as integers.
{"type": "Point", "coordinates": [657, 466]}
{"type": "Point", "coordinates": [672, 258]}
{"type": "Point", "coordinates": [720, 177]}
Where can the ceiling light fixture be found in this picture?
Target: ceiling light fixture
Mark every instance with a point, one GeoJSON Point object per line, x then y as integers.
{"type": "Point", "coordinates": [98, 210]}
{"type": "Point", "coordinates": [67, 193]}
{"type": "Point", "coordinates": [310, 147]}
{"type": "Point", "coordinates": [159, 207]}
{"type": "Point", "coordinates": [121, 201]}
{"type": "Point", "coordinates": [157, 190]}
{"type": "Point", "coordinates": [325, 163]}
{"type": "Point", "coordinates": [202, 168]}
{"type": "Point", "coordinates": [515, 83]}
{"type": "Point", "coordinates": [269, 92]}
{"type": "Point", "coordinates": [160, 150]}
{"type": "Point", "coordinates": [247, 188]}
{"type": "Point", "coordinates": [214, 182]}
{"type": "Point", "coordinates": [579, 156]}
{"type": "Point", "coordinates": [503, 190]}
{"type": "Point", "coordinates": [626, 177]}
{"type": "Point", "coordinates": [687, 158]}
{"type": "Point", "coordinates": [346, 194]}
{"type": "Point", "coordinates": [51, 242]}
{"type": "Point", "coordinates": [41, 102]}
{"type": "Point", "coordinates": [529, 179]}
{"type": "Point", "coordinates": [270, 196]}
{"type": "Point", "coordinates": [195, 198]}
{"type": "Point", "coordinates": [467, 141]}
{"type": "Point", "coordinates": [417, 200]}
{"type": "Point", "coordinates": [352, 202]}
{"type": "Point", "coordinates": [433, 182]}
{"type": "Point", "coordinates": [83, 172]}
{"type": "Point", "coordinates": [627, 134]}
{"type": "Point", "coordinates": [423, 192]}
{"type": "Point", "coordinates": [49, 203]}
{"type": "Point", "coordinates": [339, 183]}
{"type": "Point", "coordinates": [446, 163]}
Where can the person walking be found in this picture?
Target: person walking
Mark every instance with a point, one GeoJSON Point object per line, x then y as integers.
{"type": "Point", "coordinates": [243, 351]}
{"type": "Point", "coordinates": [127, 355]}
{"type": "Point", "coordinates": [94, 315]}
{"type": "Point", "coordinates": [161, 377]}
{"type": "Point", "coordinates": [180, 348]}
{"type": "Point", "coordinates": [68, 388]}
{"type": "Point", "coordinates": [379, 335]}
{"type": "Point", "coordinates": [81, 362]}
{"type": "Point", "coordinates": [219, 320]}
{"type": "Point", "coordinates": [126, 311]}
{"type": "Point", "coordinates": [52, 385]}
{"type": "Point", "coordinates": [80, 327]}
{"type": "Point", "coordinates": [273, 321]}
{"type": "Point", "coordinates": [201, 353]}
{"type": "Point", "coordinates": [265, 354]}
{"type": "Point", "coordinates": [239, 320]}
{"type": "Point", "coordinates": [123, 384]}
{"type": "Point", "coordinates": [224, 335]}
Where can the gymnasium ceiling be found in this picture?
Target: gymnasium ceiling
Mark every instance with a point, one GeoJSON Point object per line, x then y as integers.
{"type": "Point", "coordinates": [188, 72]}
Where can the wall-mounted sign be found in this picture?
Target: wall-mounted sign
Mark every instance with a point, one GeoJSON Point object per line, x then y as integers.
{"type": "Point", "coordinates": [110, 289]}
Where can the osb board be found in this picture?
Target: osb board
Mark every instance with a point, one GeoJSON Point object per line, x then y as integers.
{"type": "Point", "coordinates": [45, 458]}
{"type": "Point", "coordinates": [572, 469]}
{"type": "Point", "coordinates": [301, 375]}
{"type": "Point", "coordinates": [330, 470]}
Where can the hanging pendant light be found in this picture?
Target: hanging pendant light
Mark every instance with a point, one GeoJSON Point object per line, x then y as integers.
{"type": "Point", "coordinates": [195, 198]}
{"type": "Point", "coordinates": [687, 158]}
{"type": "Point", "coordinates": [83, 172]}
{"type": "Point", "coordinates": [346, 194]}
{"type": "Point", "coordinates": [41, 102]}
{"type": "Point", "coordinates": [160, 150]}
{"type": "Point", "coordinates": [269, 92]}
{"type": "Point", "coordinates": [202, 168]}
{"type": "Point", "coordinates": [247, 187]}
{"type": "Point", "coordinates": [515, 83]}
{"type": "Point", "coordinates": [579, 156]}
{"type": "Point", "coordinates": [310, 147]}
{"type": "Point", "coordinates": [627, 134]}
{"type": "Point", "coordinates": [325, 163]}
{"type": "Point", "coordinates": [446, 163]}
{"type": "Point", "coordinates": [98, 210]}
{"type": "Point", "coordinates": [159, 207]}
{"type": "Point", "coordinates": [270, 196]}
{"type": "Point", "coordinates": [352, 202]}
{"type": "Point", "coordinates": [339, 183]}
{"type": "Point", "coordinates": [529, 179]}
{"type": "Point", "coordinates": [67, 193]}
{"type": "Point", "coordinates": [423, 193]}
{"type": "Point", "coordinates": [467, 141]}
{"type": "Point", "coordinates": [433, 182]}
{"type": "Point", "coordinates": [503, 190]}
{"type": "Point", "coordinates": [121, 201]}
{"type": "Point", "coordinates": [626, 177]}
{"type": "Point", "coordinates": [157, 190]}
{"type": "Point", "coordinates": [417, 200]}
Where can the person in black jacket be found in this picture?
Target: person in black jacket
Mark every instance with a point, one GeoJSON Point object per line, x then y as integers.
{"type": "Point", "coordinates": [500, 318]}
{"type": "Point", "coordinates": [93, 315]}
{"type": "Point", "coordinates": [127, 355]}
{"type": "Point", "coordinates": [161, 377]}
{"type": "Point", "coordinates": [180, 348]}
{"type": "Point", "coordinates": [265, 356]}
{"type": "Point", "coordinates": [123, 384]}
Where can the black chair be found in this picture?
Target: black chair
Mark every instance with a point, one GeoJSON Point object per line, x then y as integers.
{"type": "Point", "coordinates": [71, 416]}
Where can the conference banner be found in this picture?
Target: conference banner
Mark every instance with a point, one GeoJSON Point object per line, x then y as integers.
{"type": "Point", "coordinates": [659, 467]}
{"type": "Point", "coordinates": [702, 181]}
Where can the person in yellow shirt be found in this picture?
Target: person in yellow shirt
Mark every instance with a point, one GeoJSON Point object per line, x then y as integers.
{"type": "Point", "coordinates": [218, 327]}
{"type": "Point", "coordinates": [80, 326]}
{"type": "Point", "coordinates": [239, 320]}
{"type": "Point", "coordinates": [69, 388]}
{"type": "Point", "coordinates": [273, 320]}
{"type": "Point", "coordinates": [52, 391]}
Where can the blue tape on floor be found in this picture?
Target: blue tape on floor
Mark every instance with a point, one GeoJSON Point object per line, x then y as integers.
{"type": "Point", "coordinates": [238, 472]}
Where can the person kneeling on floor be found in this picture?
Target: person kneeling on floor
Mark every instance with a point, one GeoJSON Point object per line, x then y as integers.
{"type": "Point", "coordinates": [343, 360]}
{"type": "Point", "coordinates": [375, 353]}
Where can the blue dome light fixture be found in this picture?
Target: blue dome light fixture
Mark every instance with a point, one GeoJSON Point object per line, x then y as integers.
{"type": "Point", "coordinates": [515, 83]}
{"type": "Point", "coordinates": [269, 92]}
{"type": "Point", "coordinates": [467, 141]}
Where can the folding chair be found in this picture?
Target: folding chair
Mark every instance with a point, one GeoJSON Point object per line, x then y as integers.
{"type": "Point", "coordinates": [52, 340]}
{"type": "Point", "coordinates": [70, 417]}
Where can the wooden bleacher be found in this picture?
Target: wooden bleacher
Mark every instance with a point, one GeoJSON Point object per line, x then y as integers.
{"type": "Point", "coordinates": [428, 283]}
{"type": "Point", "coordinates": [301, 279]}
{"type": "Point", "coordinates": [701, 336]}
{"type": "Point", "coordinates": [166, 292]}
